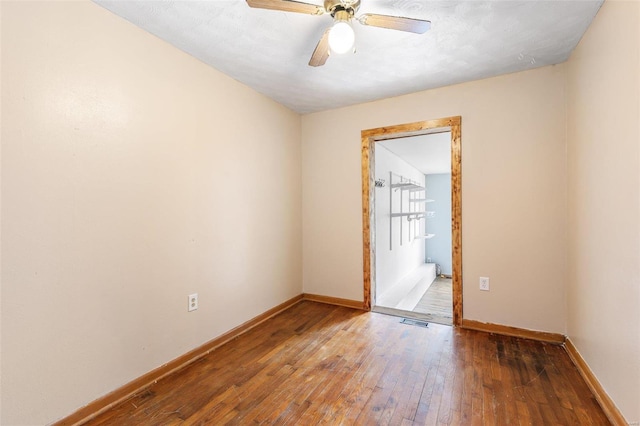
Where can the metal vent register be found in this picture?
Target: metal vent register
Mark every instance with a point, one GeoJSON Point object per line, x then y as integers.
{"type": "Point", "coordinates": [415, 322]}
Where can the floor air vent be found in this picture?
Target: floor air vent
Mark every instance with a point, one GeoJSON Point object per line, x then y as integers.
{"type": "Point", "coordinates": [414, 322]}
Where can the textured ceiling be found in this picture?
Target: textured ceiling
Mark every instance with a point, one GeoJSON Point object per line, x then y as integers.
{"type": "Point", "coordinates": [269, 50]}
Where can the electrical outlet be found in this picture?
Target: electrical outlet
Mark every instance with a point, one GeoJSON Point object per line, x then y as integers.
{"type": "Point", "coordinates": [428, 260]}
{"type": "Point", "coordinates": [484, 283]}
{"type": "Point", "coordinates": [193, 302]}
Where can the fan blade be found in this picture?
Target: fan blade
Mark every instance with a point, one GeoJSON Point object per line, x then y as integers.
{"type": "Point", "coordinates": [287, 6]}
{"type": "Point", "coordinates": [321, 53]}
{"type": "Point", "coordinates": [417, 26]}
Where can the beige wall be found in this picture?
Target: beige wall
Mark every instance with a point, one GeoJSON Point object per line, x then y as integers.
{"type": "Point", "coordinates": [604, 201]}
{"type": "Point", "coordinates": [513, 193]}
{"type": "Point", "coordinates": [0, 217]}
{"type": "Point", "coordinates": [132, 176]}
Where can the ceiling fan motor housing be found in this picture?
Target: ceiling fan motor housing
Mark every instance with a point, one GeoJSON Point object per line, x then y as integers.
{"type": "Point", "coordinates": [341, 10]}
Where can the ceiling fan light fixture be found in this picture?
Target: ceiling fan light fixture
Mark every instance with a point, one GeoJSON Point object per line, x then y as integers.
{"type": "Point", "coordinates": [341, 37]}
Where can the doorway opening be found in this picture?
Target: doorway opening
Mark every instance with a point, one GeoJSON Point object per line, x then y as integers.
{"type": "Point", "coordinates": [412, 220]}
{"type": "Point", "coordinates": [413, 227]}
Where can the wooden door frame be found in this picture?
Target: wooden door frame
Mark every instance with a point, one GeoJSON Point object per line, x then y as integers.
{"type": "Point", "coordinates": [369, 137]}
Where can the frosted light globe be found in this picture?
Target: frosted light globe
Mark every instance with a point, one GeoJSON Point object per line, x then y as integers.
{"type": "Point", "coordinates": [341, 37]}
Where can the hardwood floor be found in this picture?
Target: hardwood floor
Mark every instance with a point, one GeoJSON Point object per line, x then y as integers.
{"type": "Point", "coordinates": [323, 364]}
{"type": "Point", "coordinates": [437, 302]}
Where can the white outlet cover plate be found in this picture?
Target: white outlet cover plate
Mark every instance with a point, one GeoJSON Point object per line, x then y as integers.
{"type": "Point", "coordinates": [193, 302]}
{"type": "Point", "coordinates": [484, 283]}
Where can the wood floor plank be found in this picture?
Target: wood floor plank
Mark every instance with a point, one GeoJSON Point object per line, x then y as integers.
{"type": "Point", "coordinates": [321, 364]}
{"type": "Point", "coordinates": [437, 301]}
{"type": "Point", "coordinates": [407, 397]}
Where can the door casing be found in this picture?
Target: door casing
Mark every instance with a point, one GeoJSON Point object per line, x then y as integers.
{"type": "Point", "coordinates": [369, 139]}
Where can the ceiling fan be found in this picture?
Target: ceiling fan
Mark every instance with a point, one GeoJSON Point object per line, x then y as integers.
{"type": "Point", "coordinates": [339, 38]}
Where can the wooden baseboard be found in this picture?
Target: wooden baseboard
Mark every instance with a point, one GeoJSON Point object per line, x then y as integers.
{"type": "Point", "coordinates": [104, 403]}
{"type": "Point", "coordinates": [543, 336]}
{"type": "Point", "coordinates": [608, 406]}
{"type": "Point", "coordinates": [333, 301]}
{"type": "Point", "coordinates": [113, 398]}
{"type": "Point", "coordinates": [606, 403]}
